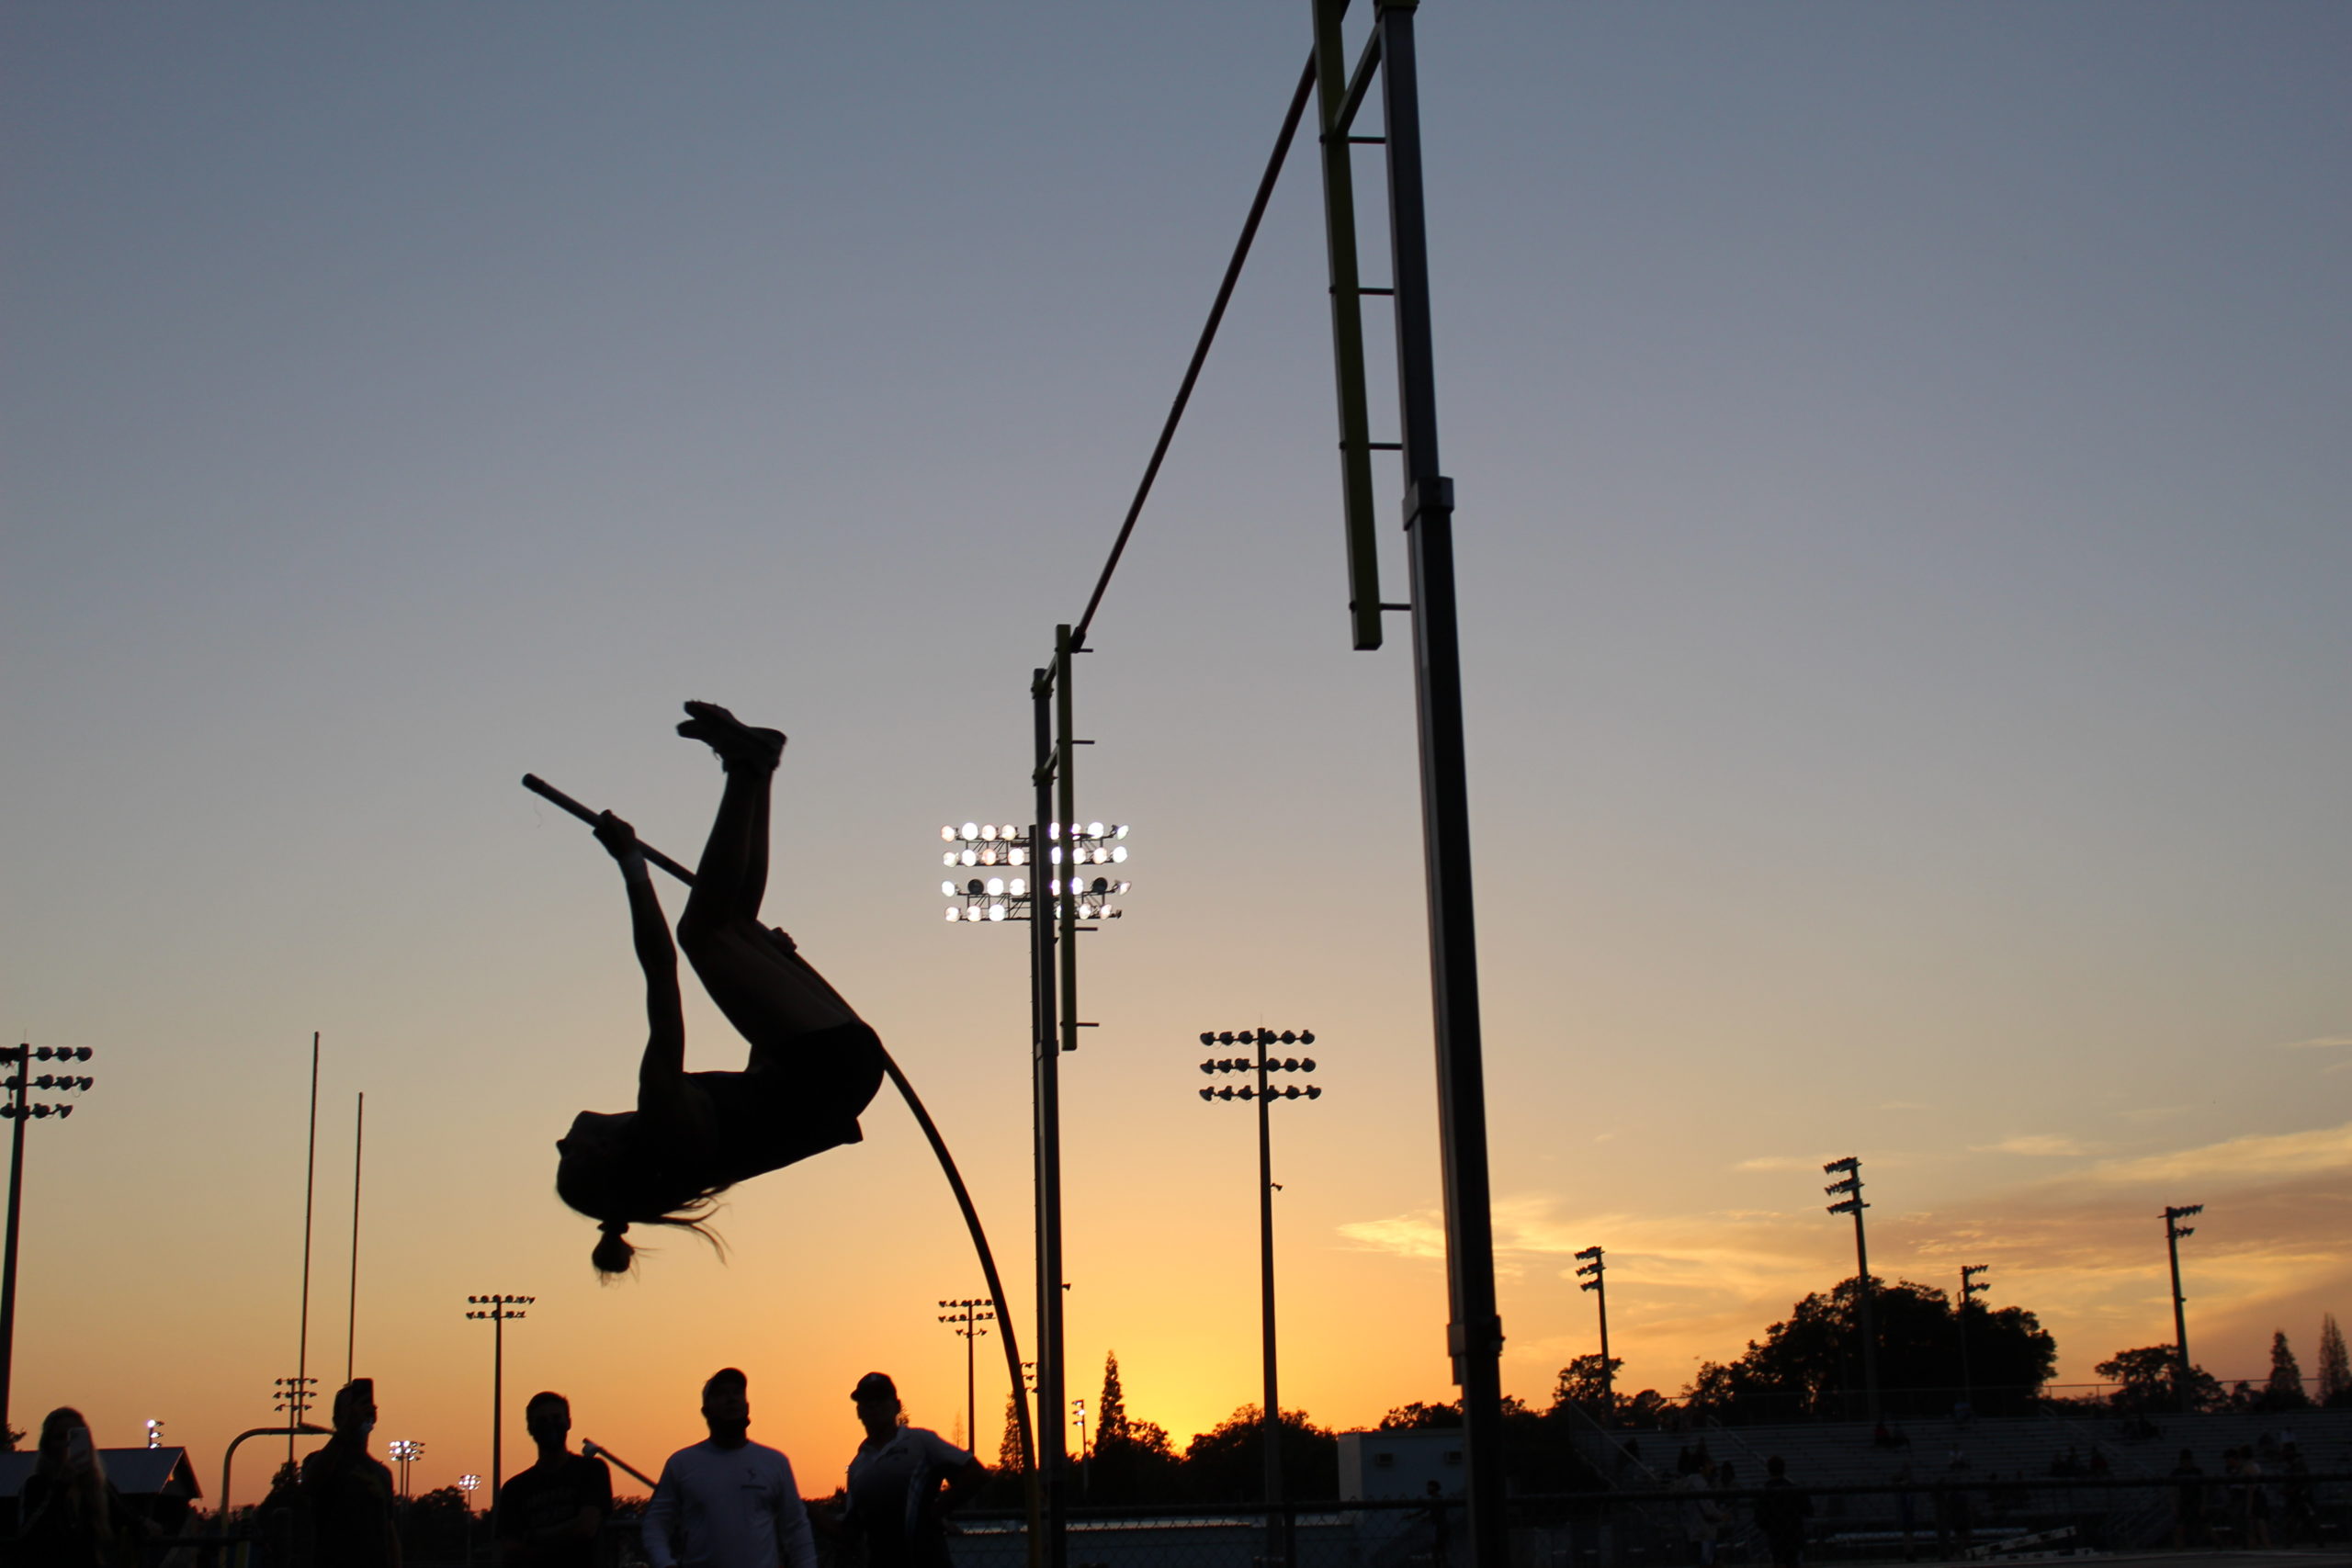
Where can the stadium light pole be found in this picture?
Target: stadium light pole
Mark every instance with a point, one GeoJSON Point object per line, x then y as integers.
{"type": "Point", "coordinates": [1968, 1289]}
{"type": "Point", "coordinates": [19, 1110]}
{"type": "Point", "coordinates": [500, 1310]}
{"type": "Point", "coordinates": [992, 879]}
{"type": "Point", "coordinates": [1590, 1261]}
{"type": "Point", "coordinates": [2174, 1231]}
{"type": "Point", "coordinates": [405, 1451]}
{"type": "Point", "coordinates": [1261, 1062]}
{"type": "Point", "coordinates": [1848, 1189]}
{"type": "Point", "coordinates": [965, 1318]}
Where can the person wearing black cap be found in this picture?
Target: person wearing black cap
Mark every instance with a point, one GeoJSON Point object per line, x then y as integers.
{"type": "Point", "coordinates": [346, 1497]}
{"type": "Point", "coordinates": [903, 1482]}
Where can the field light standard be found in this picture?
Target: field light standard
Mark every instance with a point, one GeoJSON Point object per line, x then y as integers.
{"type": "Point", "coordinates": [501, 1311]}
{"type": "Point", "coordinates": [1261, 1062]}
{"type": "Point", "coordinates": [992, 879]}
{"type": "Point", "coordinates": [20, 1109]}
{"type": "Point", "coordinates": [2174, 1231]}
{"type": "Point", "coordinates": [1968, 1289]}
{"type": "Point", "coordinates": [1590, 1261]}
{"type": "Point", "coordinates": [405, 1451]}
{"type": "Point", "coordinates": [1848, 1189]}
{"type": "Point", "coordinates": [965, 1318]}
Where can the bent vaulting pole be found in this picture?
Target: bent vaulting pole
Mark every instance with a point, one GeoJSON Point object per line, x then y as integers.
{"type": "Point", "coordinates": [1009, 1338]}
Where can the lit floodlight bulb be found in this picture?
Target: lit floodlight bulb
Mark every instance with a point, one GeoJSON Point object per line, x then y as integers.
{"type": "Point", "coordinates": [996, 911]}
{"type": "Point", "coordinates": [1053, 830]}
{"type": "Point", "coordinates": [1118, 852]}
{"type": "Point", "coordinates": [948, 834]}
{"type": "Point", "coordinates": [988, 856]}
{"type": "Point", "coordinates": [971, 830]}
{"type": "Point", "coordinates": [948, 859]}
{"type": "Point", "coordinates": [1017, 887]}
{"type": "Point", "coordinates": [987, 831]}
{"type": "Point", "coordinates": [1056, 853]}
{"type": "Point", "coordinates": [1122, 887]}
{"type": "Point", "coordinates": [948, 888]}
{"type": "Point", "coordinates": [973, 914]}
{"type": "Point", "coordinates": [1017, 857]}
{"type": "Point", "coordinates": [1120, 831]}
{"type": "Point", "coordinates": [970, 857]}
{"type": "Point", "coordinates": [996, 885]}
{"type": "Point", "coordinates": [953, 914]}
{"type": "Point", "coordinates": [1086, 911]}
{"type": "Point", "coordinates": [1094, 829]}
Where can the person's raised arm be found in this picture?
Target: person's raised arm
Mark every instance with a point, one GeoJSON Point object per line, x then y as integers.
{"type": "Point", "coordinates": [664, 1063]}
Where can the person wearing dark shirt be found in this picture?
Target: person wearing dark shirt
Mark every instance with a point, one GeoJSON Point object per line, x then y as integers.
{"type": "Point", "coordinates": [1781, 1512]}
{"type": "Point", "coordinates": [549, 1516]}
{"type": "Point", "coordinates": [903, 1481]}
{"type": "Point", "coordinates": [346, 1499]}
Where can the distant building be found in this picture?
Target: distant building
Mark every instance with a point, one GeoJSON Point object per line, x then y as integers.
{"type": "Point", "coordinates": [1399, 1466]}
{"type": "Point", "coordinates": [159, 1483]}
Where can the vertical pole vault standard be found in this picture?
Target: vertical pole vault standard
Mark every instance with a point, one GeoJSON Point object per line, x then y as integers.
{"type": "Point", "coordinates": [1474, 1334]}
{"type": "Point", "coordinates": [1048, 1499]}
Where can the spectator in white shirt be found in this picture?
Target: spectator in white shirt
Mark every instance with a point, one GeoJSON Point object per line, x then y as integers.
{"type": "Point", "coordinates": [728, 1502]}
{"type": "Point", "coordinates": [903, 1481]}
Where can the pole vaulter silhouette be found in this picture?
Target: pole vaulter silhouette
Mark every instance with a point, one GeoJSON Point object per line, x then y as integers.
{"type": "Point", "coordinates": [814, 1064]}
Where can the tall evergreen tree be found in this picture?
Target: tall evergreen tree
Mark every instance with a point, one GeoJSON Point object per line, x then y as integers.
{"type": "Point", "coordinates": [1008, 1448]}
{"type": "Point", "coordinates": [1110, 1413]}
{"type": "Point", "coordinates": [2285, 1389]}
{"type": "Point", "coordinates": [2335, 1367]}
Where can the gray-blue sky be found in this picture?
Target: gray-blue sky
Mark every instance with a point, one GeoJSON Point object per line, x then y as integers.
{"type": "Point", "coordinates": [1902, 473]}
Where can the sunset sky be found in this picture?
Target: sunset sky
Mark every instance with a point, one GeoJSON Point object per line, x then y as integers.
{"type": "Point", "coordinates": [1902, 469]}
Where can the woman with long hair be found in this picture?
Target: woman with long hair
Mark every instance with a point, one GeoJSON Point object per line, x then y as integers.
{"type": "Point", "coordinates": [814, 1065]}
{"type": "Point", "coordinates": [70, 1515]}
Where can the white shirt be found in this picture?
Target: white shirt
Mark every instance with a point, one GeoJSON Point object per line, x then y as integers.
{"type": "Point", "coordinates": [728, 1508]}
{"type": "Point", "coordinates": [890, 1481]}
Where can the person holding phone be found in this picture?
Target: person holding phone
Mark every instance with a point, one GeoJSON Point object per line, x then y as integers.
{"type": "Point", "coordinates": [71, 1515]}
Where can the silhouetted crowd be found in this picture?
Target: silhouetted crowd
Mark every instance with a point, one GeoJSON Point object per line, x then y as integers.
{"type": "Point", "coordinates": [726, 1502]}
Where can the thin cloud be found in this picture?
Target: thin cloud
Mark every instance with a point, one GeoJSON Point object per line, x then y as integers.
{"type": "Point", "coordinates": [2043, 1146]}
{"type": "Point", "coordinates": [2258, 1156]}
{"type": "Point", "coordinates": [2324, 1043]}
{"type": "Point", "coordinates": [1778, 1163]}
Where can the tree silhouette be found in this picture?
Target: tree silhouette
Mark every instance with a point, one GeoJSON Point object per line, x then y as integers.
{"type": "Point", "coordinates": [1227, 1463]}
{"type": "Point", "coordinates": [2147, 1375]}
{"type": "Point", "coordinates": [1583, 1384]}
{"type": "Point", "coordinates": [1111, 1410]}
{"type": "Point", "coordinates": [1811, 1364]}
{"type": "Point", "coordinates": [1008, 1447]}
{"type": "Point", "coordinates": [2335, 1367]}
{"type": "Point", "coordinates": [2285, 1389]}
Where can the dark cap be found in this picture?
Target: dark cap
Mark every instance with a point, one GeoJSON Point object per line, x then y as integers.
{"type": "Point", "coordinates": [875, 1385]}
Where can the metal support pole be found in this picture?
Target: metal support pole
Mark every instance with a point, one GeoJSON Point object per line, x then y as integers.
{"type": "Point", "coordinates": [1870, 1329]}
{"type": "Point", "coordinates": [2183, 1387]}
{"type": "Point", "coordinates": [1474, 1336]}
{"type": "Point", "coordinates": [497, 1407]}
{"type": "Point", "coordinates": [309, 1190]}
{"type": "Point", "coordinates": [1049, 1506]}
{"type": "Point", "coordinates": [351, 1323]}
{"type": "Point", "coordinates": [21, 1062]}
{"type": "Point", "coordinates": [1271, 1413]}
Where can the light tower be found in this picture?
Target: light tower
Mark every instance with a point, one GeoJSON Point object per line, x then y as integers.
{"type": "Point", "coordinates": [2174, 1230]}
{"type": "Point", "coordinates": [1848, 1189]}
{"type": "Point", "coordinates": [1261, 1062]}
{"type": "Point", "coordinates": [500, 1310]}
{"type": "Point", "coordinates": [405, 1451]}
{"type": "Point", "coordinates": [1968, 1289]}
{"type": "Point", "coordinates": [20, 1109]}
{"type": "Point", "coordinates": [992, 879]}
{"type": "Point", "coordinates": [1590, 1261]}
{"type": "Point", "coordinates": [964, 1318]}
